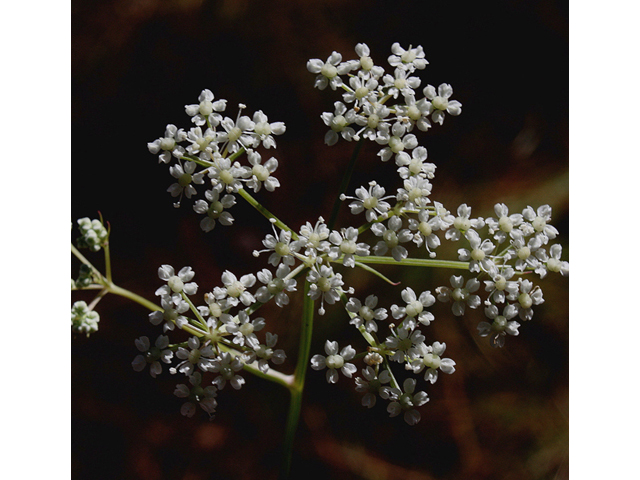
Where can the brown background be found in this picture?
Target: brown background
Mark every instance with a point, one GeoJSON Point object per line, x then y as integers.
{"type": "Point", "coordinates": [502, 415]}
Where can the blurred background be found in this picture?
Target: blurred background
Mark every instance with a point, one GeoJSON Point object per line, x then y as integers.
{"type": "Point", "coordinates": [136, 63]}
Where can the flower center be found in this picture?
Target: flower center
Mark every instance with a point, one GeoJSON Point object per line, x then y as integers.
{"type": "Point", "coordinates": [235, 289]}
{"type": "Point", "coordinates": [505, 224]}
{"type": "Point", "coordinates": [205, 108]}
{"type": "Point", "coordinates": [329, 70]}
{"type": "Point", "coordinates": [477, 254]}
{"type": "Point", "coordinates": [525, 300]}
{"type": "Point", "coordinates": [400, 83]}
{"type": "Point", "coordinates": [554, 265]}
{"type": "Point", "coordinates": [324, 284]}
{"type": "Point", "coordinates": [226, 177]}
{"type": "Point", "coordinates": [261, 172]}
{"type": "Point", "coordinates": [246, 329]}
{"type": "Point", "coordinates": [432, 361]}
{"type": "Point", "coordinates": [371, 202]}
{"type": "Point", "coordinates": [462, 223]}
{"type": "Point", "coordinates": [524, 253]}
{"type": "Point", "coordinates": [425, 229]}
{"type": "Point", "coordinates": [234, 134]}
{"type": "Point", "coordinates": [459, 294]}
{"type": "Point", "coordinates": [414, 308]}
{"type": "Point", "coordinates": [396, 145]}
{"type": "Point", "coordinates": [263, 128]}
{"type": "Point", "coordinates": [167, 143]}
{"type": "Point", "coordinates": [366, 313]}
{"type": "Point", "coordinates": [440, 103]}
{"type": "Point", "coordinates": [366, 63]}
{"type": "Point", "coordinates": [184, 179]}
{"type": "Point", "coordinates": [275, 286]}
{"type": "Point", "coordinates": [373, 121]}
{"type": "Point", "coordinates": [282, 249]}
{"type": "Point", "coordinates": [414, 113]}
{"type": "Point", "coordinates": [335, 361]}
{"type": "Point", "coordinates": [362, 92]}
{"type": "Point", "coordinates": [539, 223]}
{"type": "Point", "coordinates": [501, 282]}
{"type": "Point", "coordinates": [175, 284]}
{"type": "Point", "coordinates": [390, 238]}
{"type": "Point", "coordinates": [338, 123]}
{"type": "Point", "coordinates": [348, 247]}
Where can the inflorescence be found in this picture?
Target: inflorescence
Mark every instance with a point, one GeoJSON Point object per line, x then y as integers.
{"type": "Point", "coordinates": [502, 254]}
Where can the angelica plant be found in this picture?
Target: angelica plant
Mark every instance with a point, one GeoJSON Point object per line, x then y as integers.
{"type": "Point", "coordinates": [211, 337]}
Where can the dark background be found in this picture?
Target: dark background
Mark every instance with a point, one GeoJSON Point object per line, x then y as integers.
{"type": "Point", "coordinates": [502, 415]}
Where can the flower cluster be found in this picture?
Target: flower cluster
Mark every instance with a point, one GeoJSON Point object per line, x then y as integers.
{"type": "Point", "coordinates": [500, 253]}
{"type": "Point", "coordinates": [83, 319]}
{"type": "Point", "coordinates": [207, 154]}
{"type": "Point", "coordinates": [504, 254]}
{"type": "Point", "coordinates": [93, 234]}
{"type": "Point", "coordinates": [222, 335]}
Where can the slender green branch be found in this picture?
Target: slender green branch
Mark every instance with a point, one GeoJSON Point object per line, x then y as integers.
{"type": "Point", "coordinates": [345, 184]}
{"type": "Point", "coordinates": [83, 259]}
{"type": "Point", "coordinates": [297, 387]}
{"type": "Point", "coordinates": [414, 262]}
{"type": "Point", "coordinates": [266, 213]}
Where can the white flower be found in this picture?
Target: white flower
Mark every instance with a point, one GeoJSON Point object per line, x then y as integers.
{"type": "Point", "coordinates": [275, 286]}
{"type": "Point", "coordinates": [460, 294]}
{"type": "Point", "coordinates": [282, 247]}
{"type": "Point", "coordinates": [415, 192]}
{"type": "Point", "coordinates": [152, 355]}
{"type": "Point", "coordinates": [227, 367]}
{"type": "Point", "coordinates": [504, 225]}
{"type": "Point", "coordinates": [414, 309]}
{"type": "Point", "coordinates": [372, 118]}
{"type": "Point", "coordinates": [430, 357]}
{"type": "Point", "coordinates": [529, 296]}
{"type": "Point", "coordinates": [372, 385]}
{"type": "Point", "coordinates": [197, 395]}
{"type": "Point", "coordinates": [243, 328]}
{"type": "Point", "coordinates": [424, 227]}
{"type": "Point", "coordinates": [391, 238]}
{"type": "Point", "coordinates": [371, 201]}
{"type": "Point", "coordinates": [261, 173]}
{"type": "Point", "coordinates": [224, 175]}
{"type": "Point", "coordinates": [339, 122]}
{"type": "Point", "coordinates": [462, 223]}
{"type": "Point", "coordinates": [396, 141]}
{"type": "Point", "coordinates": [406, 401]}
{"type": "Point", "coordinates": [264, 131]}
{"type": "Point", "coordinates": [176, 283]}
{"type": "Point", "coordinates": [324, 285]}
{"type": "Point", "coordinates": [402, 340]}
{"type": "Point", "coordinates": [363, 89]}
{"type": "Point", "coordinates": [214, 208]}
{"type": "Point", "coordinates": [185, 176]}
{"type": "Point", "coordinates": [328, 71]}
{"type": "Point", "coordinates": [335, 361]}
{"type": "Point", "coordinates": [501, 324]}
{"type": "Point", "coordinates": [234, 290]}
{"type": "Point", "coordinates": [315, 237]}
{"type": "Point", "coordinates": [237, 134]}
{"type": "Point", "coordinates": [168, 144]}
{"type": "Point", "coordinates": [346, 244]}
{"type": "Point", "coordinates": [201, 142]}
{"type": "Point", "coordinates": [206, 109]}
{"type": "Point", "coordinates": [440, 102]}
{"type": "Point", "coordinates": [265, 353]}
{"type": "Point", "coordinates": [539, 223]}
{"type": "Point", "coordinates": [524, 253]}
{"type": "Point", "coordinates": [500, 287]}
{"type": "Point", "coordinates": [193, 356]}
{"type": "Point", "coordinates": [414, 164]}
{"type": "Point", "coordinates": [408, 60]}
{"type": "Point", "coordinates": [400, 83]}
{"type": "Point", "coordinates": [366, 314]}
{"type": "Point", "coordinates": [172, 309]}
{"type": "Point", "coordinates": [478, 254]}
{"type": "Point", "coordinates": [553, 262]}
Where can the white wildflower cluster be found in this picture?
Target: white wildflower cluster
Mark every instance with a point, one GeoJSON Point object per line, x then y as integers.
{"type": "Point", "coordinates": [208, 154]}
{"type": "Point", "coordinates": [222, 334]}
{"type": "Point", "coordinates": [93, 234]}
{"type": "Point", "coordinates": [83, 319]}
{"type": "Point", "coordinates": [501, 253]}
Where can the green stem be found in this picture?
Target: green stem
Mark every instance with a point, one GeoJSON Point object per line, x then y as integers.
{"type": "Point", "coordinates": [266, 213]}
{"type": "Point", "coordinates": [297, 387]}
{"type": "Point", "coordinates": [345, 184]}
{"type": "Point", "coordinates": [414, 262]}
